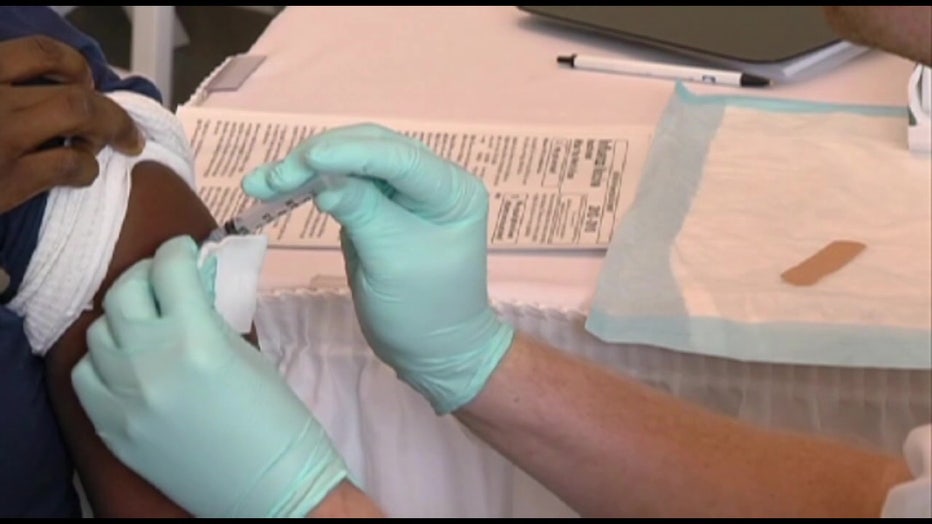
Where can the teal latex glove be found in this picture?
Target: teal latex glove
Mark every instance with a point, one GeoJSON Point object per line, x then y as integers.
{"type": "Point", "coordinates": [188, 404]}
{"type": "Point", "coordinates": [414, 237]}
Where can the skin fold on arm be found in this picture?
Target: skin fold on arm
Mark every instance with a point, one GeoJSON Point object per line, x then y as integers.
{"type": "Point", "coordinates": [161, 206]}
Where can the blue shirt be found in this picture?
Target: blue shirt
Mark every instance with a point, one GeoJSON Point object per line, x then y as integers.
{"type": "Point", "coordinates": [36, 474]}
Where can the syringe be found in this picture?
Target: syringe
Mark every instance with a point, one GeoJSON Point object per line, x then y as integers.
{"type": "Point", "coordinates": [264, 213]}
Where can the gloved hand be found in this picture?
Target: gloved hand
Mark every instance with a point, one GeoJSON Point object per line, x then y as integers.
{"type": "Point", "coordinates": [414, 239]}
{"type": "Point", "coordinates": [192, 407]}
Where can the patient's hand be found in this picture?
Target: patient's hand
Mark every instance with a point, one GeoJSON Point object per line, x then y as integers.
{"type": "Point", "coordinates": [35, 118]}
{"type": "Point", "coordinates": [161, 206]}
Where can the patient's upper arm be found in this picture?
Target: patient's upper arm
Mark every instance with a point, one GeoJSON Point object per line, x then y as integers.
{"type": "Point", "coordinates": [161, 206]}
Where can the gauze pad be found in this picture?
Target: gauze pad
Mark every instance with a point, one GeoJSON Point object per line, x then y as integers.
{"type": "Point", "coordinates": [235, 265]}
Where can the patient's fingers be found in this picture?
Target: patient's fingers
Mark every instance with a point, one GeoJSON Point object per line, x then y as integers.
{"type": "Point", "coordinates": [32, 57]}
{"type": "Point", "coordinates": [39, 172]}
{"type": "Point", "coordinates": [70, 111]}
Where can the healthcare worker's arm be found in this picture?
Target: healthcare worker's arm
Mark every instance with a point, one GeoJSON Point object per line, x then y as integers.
{"type": "Point", "coordinates": [184, 401]}
{"type": "Point", "coordinates": [611, 446]}
{"type": "Point", "coordinates": [415, 241]}
{"type": "Point", "coordinates": [346, 501]}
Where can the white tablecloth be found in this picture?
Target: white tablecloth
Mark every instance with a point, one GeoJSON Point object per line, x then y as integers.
{"type": "Point", "coordinates": [487, 65]}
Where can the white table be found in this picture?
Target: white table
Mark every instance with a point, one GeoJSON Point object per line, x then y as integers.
{"type": "Point", "coordinates": [494, 64]}
{"type": "Point", "coordinates": [485, 64]}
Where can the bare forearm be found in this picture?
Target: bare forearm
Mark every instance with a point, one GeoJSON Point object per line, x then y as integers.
{"type": "Point", "coordinates": [612, 447]}
{"type": "Point", "coordinates": [346, 501]}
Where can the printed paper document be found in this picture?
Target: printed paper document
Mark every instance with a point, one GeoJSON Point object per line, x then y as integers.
{"type": "Point", "coordinates": [549, 188]}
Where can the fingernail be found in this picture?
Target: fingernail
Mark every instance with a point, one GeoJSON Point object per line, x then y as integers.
{"type": "Point", "coordinates": [139, 142]}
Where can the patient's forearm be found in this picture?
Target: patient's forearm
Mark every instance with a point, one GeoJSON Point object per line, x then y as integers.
{"type": "Point", "coordinates": [609, 446]}
{"type": "Point", "coordinates": [161, 206]}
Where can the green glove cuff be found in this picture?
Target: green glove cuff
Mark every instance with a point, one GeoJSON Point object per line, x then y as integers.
{"type": "Point", "coordinates": [299, 479]}
{"type": "Point", "coordinates": [319, 484]}
{"type": "Point", "coordinates": [460, 380]}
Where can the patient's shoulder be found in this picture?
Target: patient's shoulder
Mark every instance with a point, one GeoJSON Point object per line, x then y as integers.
{"type": "Point", "coordinates": [161, 206]}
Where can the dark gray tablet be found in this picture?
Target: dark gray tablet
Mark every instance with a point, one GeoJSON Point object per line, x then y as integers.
{"type": "Point", "coordinates": [752, 34]}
